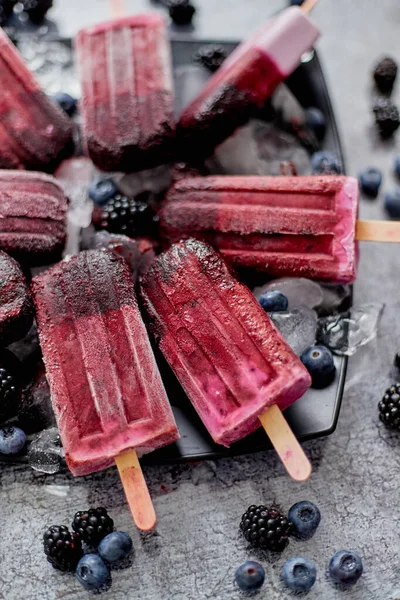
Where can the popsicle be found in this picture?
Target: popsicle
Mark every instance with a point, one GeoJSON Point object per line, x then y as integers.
{"type": "Point", "coordinates": [33, 214]}
{"type": "Point", "coordinates": [127, 93]}
{"type": "Point", "coordinates": [106, 390]}
{"type": "Point", "coordinates": [34, 131]}
{"type": "Point", "coordinates": [286, 226]}
{"type": "Point", "coordinates": [246, 79]}
{"type": "Point", "coordinates": [228, 356]}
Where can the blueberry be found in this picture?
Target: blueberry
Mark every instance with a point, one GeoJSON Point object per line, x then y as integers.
{"type": "Point", "coordinates": [12, 440]}
{"type": "Point", "coordinates": [250, 576]}
{"type": "Point", "coordinates": [102, 190]}
{"type": "Point", "coordinates": [318, 360]}
{"type": "Point", "coordinates": [392, 202]}
{"type": "Point", "coordinates": [115, 546]}
{"type": "Point", "coordinates": [370, 181]}
{"type": "Point", "coordinates": [315, 120]}
{"type": "Point", "coordinates": [296, 2]}
{"type": "Point", "coordinates": [67, 102]}
{"type": "Point", "coordinates": [299, 574]}
{"type": "Point", "coordinates": [305, 517]}
{"type": "Point", "coordinates": [92, 572]}
{"type": "Point", "coordinates": [397, 165]}
{"type": "Point", "coordinates": [346, 567]}
{"type": "Point", "coordinates": [274, 301]}
{"type": "Point", "coordinates": [325, 163]}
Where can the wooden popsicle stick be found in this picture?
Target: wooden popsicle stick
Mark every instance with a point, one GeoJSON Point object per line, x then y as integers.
{"type": "Point", "coordinates": [118, 8]}
{"type": "Point", "coordinates": [286, 444]}
{"type": "Point", "coordinates": [136, 490]}
{"type": "Point", "coordinates": [308, 6]}
{"type": "Point", "coordinates": [378, 231]}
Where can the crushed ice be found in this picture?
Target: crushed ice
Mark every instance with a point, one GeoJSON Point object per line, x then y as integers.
{"type": "Point", "coordinates": [46, 452]}
{"type": "Point", "coordinates": [298, 327]}
{"type": "Point", "coordinates": [345, 333]}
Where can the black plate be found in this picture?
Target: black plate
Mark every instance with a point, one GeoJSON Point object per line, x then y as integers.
{"type": "Point", "coordinates": [316, 413]}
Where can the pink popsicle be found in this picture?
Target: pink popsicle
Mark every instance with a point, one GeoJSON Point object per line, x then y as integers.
{"type": "Point", "coordinates": [33, 217]}
{"type": "Point", "coordinates": [228, 356]}
{"type": "Point", "coordinates": [285, 226]}
{"type": "Point", "coordinates": [34, 132]}
{"type": "Point", "coordinates": [245, 81]}
{"type": "Point", "coordinates": [106, 390]}
{"type": "Point", "coordinates": [127, 96]}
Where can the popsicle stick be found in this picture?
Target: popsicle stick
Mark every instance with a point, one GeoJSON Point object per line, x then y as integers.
{"type": "Point", "coordinates": [118, 8]}
{"type": "Point", "coordinates": [285, 443]}
{"type": "Point", "coordinates": [136, 490]}
{"type": "Point", "coordinates": [378, 231]}
{"type": "Point", "coordinates": [308, 5]}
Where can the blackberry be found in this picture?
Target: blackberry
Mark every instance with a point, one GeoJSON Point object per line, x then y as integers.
{"type": "Point", "coordinates": [130, 216]}
{"type": "Point", "coordinates": [385, 74]}
{"type": "Point", "coordinates": [387, 117]}
{"type": "Point", "coordinates": [389, 407]}
{"type": "Point", "coordinates": [397, 360]}
{"type": "Point", "coordinates": [62, 548]}
{"type": "Point", "coordinates": [181, 12]}
{"type": "Point", "coordinates": [266, 528]}
{"type": "Point", "coordinates": [92, 525]}
{"type": "Point", "coordinates": [9, 394]}
{"type": "Point", "coordinates": [211, 56]}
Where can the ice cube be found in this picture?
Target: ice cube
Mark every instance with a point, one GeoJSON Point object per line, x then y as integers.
{"type": "Point", "coordinates": [46, 452]}
{"type": "Point", "coordinates": [291, 117]}
{"type": "Point", "coordinates": [238, 155]}
{"type": "Point", "coordinates": [276, 147]}
{"type": "Point", "coordinates": [258, 148]}
{"type": "Point", "coordinates": [297, 326]}
{"type": "Point", "coordinates": [52, 64]}
{"type": "Point", "coordinates": [75, 175]}
{"type": "Point", "coordinates": [298, 290]}
{"type": "Point", "coordinates": [344, 334]}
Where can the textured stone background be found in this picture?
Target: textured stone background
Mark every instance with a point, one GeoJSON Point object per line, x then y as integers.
{"type": "Point", "coordinates": [355, 481]}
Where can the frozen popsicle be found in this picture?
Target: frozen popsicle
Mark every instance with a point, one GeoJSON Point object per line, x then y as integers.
{"type": "Point", "coordinates": [285, 226]}
{"type": "Point", "coordinates": [246, 79]}
{"type": "Point", "coordinates": [106, 390]}
{"type": "Point", "coordinates": [33, 213]}
{"type": "Point", "coordinates": [34, 132]}
{"type": "Point", "coordinates": [228, 356]}
{"type": "Point", "coordinates": [127, 94]}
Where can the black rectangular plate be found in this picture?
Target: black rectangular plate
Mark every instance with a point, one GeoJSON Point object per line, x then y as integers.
{"type": "Point", "coordinates": [316, 413]}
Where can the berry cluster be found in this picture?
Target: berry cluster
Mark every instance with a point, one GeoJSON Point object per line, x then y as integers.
{"type": "Point", "coordinates": [267, 528]}
{"type": "Point", "coordinates": [64, 549]}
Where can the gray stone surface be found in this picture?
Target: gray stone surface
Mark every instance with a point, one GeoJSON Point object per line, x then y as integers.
{"type": "Point", "coordinates": [196, 549]}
